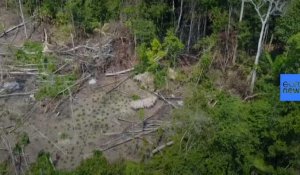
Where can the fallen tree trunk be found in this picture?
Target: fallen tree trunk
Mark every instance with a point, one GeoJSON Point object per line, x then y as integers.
{"type": "Point", "coordinates": [79, 47]}
{"type": "Point", "coordinates": [119, 84]}
{"type": "Point", "coordinates": [158, 149]}
{"type": "Point", "coordinates": [75, 84]}
{"type": "Point", "coordinates": [164, 99]}
{"type": "Point", "coordinates": [13, 28]}
{"type": "Point", "coordinates": [26, 73]}
{"type": "Point", "coordinates": [127, 140]}
{"type": "Point", "coordinates": [17, 94]}
{"type": "Point", "coordinates": [120, 72]}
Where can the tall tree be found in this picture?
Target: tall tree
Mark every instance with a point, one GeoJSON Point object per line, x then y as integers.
{"type": "Point", "coordinates": [23, 20]}
{"type": "Point", "coordinates": [242, 10]}
{"type": "Point", "coordinates": [264, 9]}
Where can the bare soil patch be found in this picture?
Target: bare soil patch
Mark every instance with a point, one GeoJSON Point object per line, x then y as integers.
{"type": "Point", "coordinates": [94, 117]}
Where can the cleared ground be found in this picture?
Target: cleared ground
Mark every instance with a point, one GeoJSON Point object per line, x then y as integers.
{"type": "Point", "coordinates": [70, 128]}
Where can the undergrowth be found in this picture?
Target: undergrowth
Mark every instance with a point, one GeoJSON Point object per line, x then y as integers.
{"type": "Point", "coordinates": [50, 83]}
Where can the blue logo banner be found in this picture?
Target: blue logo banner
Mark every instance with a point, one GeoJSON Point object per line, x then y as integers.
{"type": "Point", "coordinates": [289, 87]}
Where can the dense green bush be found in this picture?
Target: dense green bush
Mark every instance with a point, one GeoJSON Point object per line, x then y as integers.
{"type": "Point", "coordinates": [86, 15]}
{"type": "Point", "coordinates": [96, 165]}
{"type": "Point", "coordinates": [289, 61]}
{"type": "Point", "coordinates": [143, 30]}
{"type": "Point", "coordinates": [289, 24]}
{"type": "Point", "coordinates": [233, 137]}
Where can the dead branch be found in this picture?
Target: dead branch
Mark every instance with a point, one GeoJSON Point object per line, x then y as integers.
{"type": "Point", "coordinates": [58, 104]}
{"type": "Point", "coordinates": [120, 72]}
{"type": "Point", "coordinates": [24, 157]}
{"type": "Point", "coordinates": [123, 120]}
{"type": "Point", "coordinates": [7, 144]}
{"type": "Point", "coordinates": [79, 47]}
{"type": "Point", "coordinates": [174, 98]}
{"type": "Point", "coordinates": [1, 75]}
{"type": "Point", "coordinates": [113, 133]}
{"type": "Point", "coordinates": [6, 127]}
{"type": "Point", "coordinates": [119, 84]}
{"type": "Point", "coordinates": [23, 20]}
{"type": "Point", "coordinates": [182, 139]}
{"type": "Point", "coordinates": [75, 84]}
{"type": "Point", "coordinates": [27, 73]}
{"type": "Point", "coordinates": [147, 118]}
{"type": "Point", "coordinates": [18, 94]}
{"type": "Point", "coordinates": [13, 68]}
{"type": "Point", "coordinates": [251, 97]}
{"type": "Point", "coordinates": [158, 149]}
{"type": "Point", "coordinates": [50, 160]}
{"type": "Point", "coordinates": [28, 65]}
{"type": "Point", "coordinates": [164, 99]}
{"type": "Point", "coordinates": [59, 69]}
{"type": "Point", "coordinates": [143, 130]}
{"type": "Point", "coordinates": [13, 28]}
{"type": "Point", "coordinates": [127, 140]}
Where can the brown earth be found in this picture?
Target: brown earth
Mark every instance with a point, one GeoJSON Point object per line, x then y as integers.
{"type": "Point", "coordinates": [92, 118]}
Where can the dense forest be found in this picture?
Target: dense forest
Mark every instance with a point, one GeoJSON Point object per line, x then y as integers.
{"type": "Point", "coordinates": [228, 55]}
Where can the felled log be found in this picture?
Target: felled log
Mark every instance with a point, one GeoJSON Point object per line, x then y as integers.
{"type": "Point", "coordinates": [119, 73]}
{"type": "Point", "coordinates": [13, 28]}
{"type": "Point", "coordinates": [158, 149]}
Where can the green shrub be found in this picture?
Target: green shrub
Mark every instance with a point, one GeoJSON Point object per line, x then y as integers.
{"type": "Point", "coordinates": [43, 165]}
{"type": "Point", "coordinates": [289, 61]}
{"type": "Point", "coordinates": [50, 84]}
{"type": "Point", "coordinates": [3, 168]}
{"type": "Point", "coordinates": [31, 53]}
{"type": "Point", "coordinates": [53, 86]}
{"type": "Point", "coordinates": [144, 30]}
{"type": "Point", "coordinates": [173, 46]}
{"type": "Point", "coordinates": [135, 97]}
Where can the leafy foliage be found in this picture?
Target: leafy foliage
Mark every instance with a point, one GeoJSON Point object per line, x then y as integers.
{"type": "Point", "coordinates": [216, 132]}
{"type": "Point", "coordinates": [289, 24]}
{"type": "Point", "coordinates": [173, 46]}
{"type": "Point", "coordinates": [43, 165]}
{"type": "Point", "coordinates": [97, 165]}
{"type": "Point", "coordinates": [143, 30]}
{"type": "Point", "coordinates": [3, 169]}
{"type": "Point", "coordinates": [54, 86]}
{"type": "Point", "coordinates": [236, 137]}
{"type": "Point", "coordinates": [289, 61]}
{"type": "Point", "coordinates": [150, 58]}
{"type": "Point", "coordinates": [31, 53]}
{"type": "Point", "coordinates": [89, 14]}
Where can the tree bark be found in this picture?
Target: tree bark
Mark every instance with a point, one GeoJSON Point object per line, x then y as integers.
{"type": "Point", "coordinates": [227, 37]}
{"type": "Point", "coordinates": [199, 27]}
{"type": "Point", "coordinates": [180, 16]}
{"type": "Point", "coordinates": [191, 29]}
{"type": "Point", "coordinates": [237, 42]}
{"type": "Point", "coordinates": [242, 11]}
{"type": "Point", "coordinates": [23, 21]}
{"type": "Point", "coordinates": [264, 20]}
{"type": "Point", "coordinates": [258, 54]}
{"type": "Point", "coordinates": [205, 23]}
